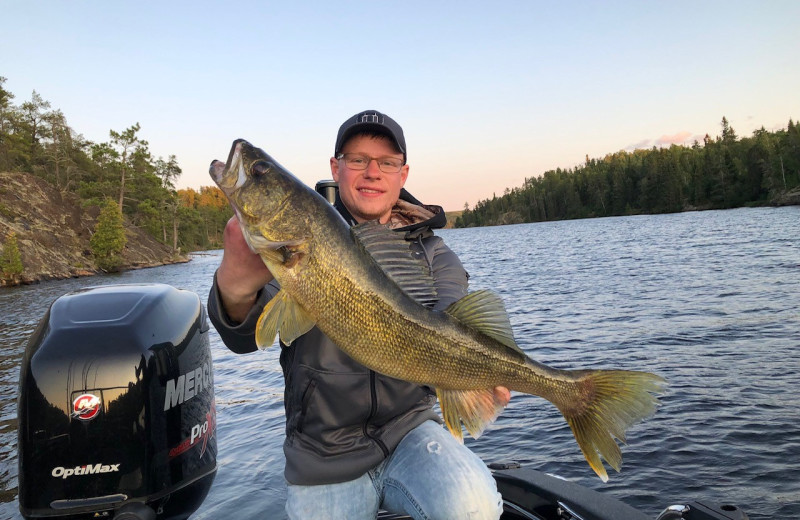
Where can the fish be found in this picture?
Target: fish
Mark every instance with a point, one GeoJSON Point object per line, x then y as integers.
{"type": "Point", "coordinates": [365, 290]}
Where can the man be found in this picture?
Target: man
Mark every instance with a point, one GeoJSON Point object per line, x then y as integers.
{"type": "Point", "coordinates": [357, 440]}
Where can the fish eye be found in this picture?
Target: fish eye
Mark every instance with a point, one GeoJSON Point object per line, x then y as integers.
{"type": "Point", "coordinates": [260, 168]}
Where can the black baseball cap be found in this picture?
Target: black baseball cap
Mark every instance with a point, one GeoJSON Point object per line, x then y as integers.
{"type": "Point", "coordinates": [371, 121]}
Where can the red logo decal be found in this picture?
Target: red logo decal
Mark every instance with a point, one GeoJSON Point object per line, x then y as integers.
{"type": "Point", "coordinates": [86, 407]}
{"type": "Point", "coordinates": [200, 434]}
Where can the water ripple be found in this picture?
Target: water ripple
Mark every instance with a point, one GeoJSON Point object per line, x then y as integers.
{"type": "Point", "coordinates": [710, 301]}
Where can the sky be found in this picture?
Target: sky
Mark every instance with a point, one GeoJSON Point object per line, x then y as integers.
{"type": "Point", "coordinates": [488, 93]}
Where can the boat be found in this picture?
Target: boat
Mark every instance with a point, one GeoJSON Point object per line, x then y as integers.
{"type": "Point", "coordinates": [117, 418]}
{"type": "Point", "coordinates": [529, 494]}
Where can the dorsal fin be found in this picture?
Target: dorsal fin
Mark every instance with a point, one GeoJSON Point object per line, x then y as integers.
{"type": "Point", "coordinates": [484, 311]}
{"type": "Point", "coordinates": [394, 256]}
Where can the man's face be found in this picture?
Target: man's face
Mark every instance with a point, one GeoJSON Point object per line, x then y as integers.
{"type": "Point", "coordinates": [369, 194]}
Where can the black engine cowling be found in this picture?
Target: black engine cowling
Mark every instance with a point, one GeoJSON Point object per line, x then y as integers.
{"type": "Point", "coordinates": [116, 408]}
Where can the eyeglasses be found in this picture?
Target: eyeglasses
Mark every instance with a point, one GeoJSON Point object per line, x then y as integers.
{"type": "Point", "coordinates": [357, 161]}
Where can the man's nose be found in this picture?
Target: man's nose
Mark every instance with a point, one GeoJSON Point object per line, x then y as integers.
{"type": "Point", "coordinates": [372, 168]}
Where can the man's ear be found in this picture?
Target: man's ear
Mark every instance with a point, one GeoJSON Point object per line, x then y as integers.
{"type": "Point", "coordinates": [404, 175]}
{"type": "Point", "coordinates": [335, 169]}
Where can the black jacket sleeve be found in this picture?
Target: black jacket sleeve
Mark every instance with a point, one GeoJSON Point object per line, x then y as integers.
{"type": "Point", "coordinates": [239, 337]}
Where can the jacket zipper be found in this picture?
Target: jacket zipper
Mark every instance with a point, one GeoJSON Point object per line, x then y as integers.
{"type": "Point", "coordinates": [372, 412]}
{"type": "Point", "coordinates": [312, 386]}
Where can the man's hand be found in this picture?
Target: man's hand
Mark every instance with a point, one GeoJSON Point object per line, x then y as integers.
{"type": "Point", "coordinates": [240, 275]}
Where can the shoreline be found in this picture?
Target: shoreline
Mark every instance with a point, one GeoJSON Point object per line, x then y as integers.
{"type": "Point", "coordinates": [82, 273]}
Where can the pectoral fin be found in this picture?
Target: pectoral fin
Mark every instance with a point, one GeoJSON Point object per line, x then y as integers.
{"type": "Point", "coordinates": [281, 315]}
{"type": "Point", "coordinates": [476, 409]}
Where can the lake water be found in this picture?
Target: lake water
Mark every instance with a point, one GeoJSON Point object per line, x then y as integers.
{"type": "Point", "coordinates": [709, 300]}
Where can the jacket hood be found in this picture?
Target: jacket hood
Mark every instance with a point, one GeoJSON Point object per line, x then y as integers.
{"type": "Point", "coordinates": [408, 214]}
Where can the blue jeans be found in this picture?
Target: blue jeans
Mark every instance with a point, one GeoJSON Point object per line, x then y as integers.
{"type": "Point", "coordinates": [429, 476]}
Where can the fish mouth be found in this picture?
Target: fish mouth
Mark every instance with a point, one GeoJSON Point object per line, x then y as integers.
{"type": "Point", "coordinates": [230, 175]}
{"type": "Point", "coordinates": [217, 170]}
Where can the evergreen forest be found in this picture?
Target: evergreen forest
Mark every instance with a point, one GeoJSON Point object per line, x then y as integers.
{"type": "Point", "coordinates": [722, 172]}
{"type": "Point", "coordinates": [36, 139]}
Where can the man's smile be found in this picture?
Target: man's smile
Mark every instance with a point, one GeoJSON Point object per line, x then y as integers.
{"type": "Point", "coordinates": [370, 191]}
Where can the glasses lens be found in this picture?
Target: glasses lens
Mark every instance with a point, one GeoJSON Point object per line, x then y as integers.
{"type": "Point", "coordinates": [356, 162]}
{"type": "Point", "coordinates": [389, 164]}
{"type": "Point", "coordinates": [361, 162]}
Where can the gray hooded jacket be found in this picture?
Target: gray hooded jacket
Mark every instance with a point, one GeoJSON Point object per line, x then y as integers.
{"type": "Point", "coordinates": [342, 418]}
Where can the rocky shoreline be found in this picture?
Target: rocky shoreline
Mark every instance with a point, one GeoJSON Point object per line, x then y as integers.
{"type": "Point", "coordinates": [53, 232]}
{"type": "Point", "coordinates": [790, 198]}
{"type": "Point", "coordinates": [81, 272]}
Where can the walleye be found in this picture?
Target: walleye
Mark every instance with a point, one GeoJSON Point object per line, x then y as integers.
{"type": "Point", "coordinates": [363, 288]}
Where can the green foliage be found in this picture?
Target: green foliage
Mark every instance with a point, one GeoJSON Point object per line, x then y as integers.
{"type": "Point", "coordinates": [151, 219]}
{"type": "Point", "coordinates": [725, 172]}
{"type": "Point", "coordinates": [108, 239]}
{"type": "Point", "coordinates": [10, 259]}
{"type": "Point", "coordinates": [133, 157]}
{"type": "Point", "coordinates": [718, 173]}
{"type": "Point", "coordinates": [36, 139]}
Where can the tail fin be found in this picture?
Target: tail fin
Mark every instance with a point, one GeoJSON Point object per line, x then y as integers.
{"type": "Point", "coordinates": [611, 402]}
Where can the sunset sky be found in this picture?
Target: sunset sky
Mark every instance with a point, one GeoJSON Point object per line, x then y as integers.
{"type": "Point", "coordinates": [488, 93]}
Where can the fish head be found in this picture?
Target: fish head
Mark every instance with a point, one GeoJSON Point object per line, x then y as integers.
{"type": "Point", "coordinates": [266, 198]}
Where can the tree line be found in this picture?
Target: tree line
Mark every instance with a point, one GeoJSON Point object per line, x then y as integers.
{"type": "Point", "coordinates": [36, 139]}
{"type": "Point", "coordinates": [722, 172]}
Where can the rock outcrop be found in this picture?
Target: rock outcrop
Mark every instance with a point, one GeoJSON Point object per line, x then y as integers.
{"type": "Point", "coordinates": [53, 232]}
{"type": "Point", "coordinates": [790, 198]}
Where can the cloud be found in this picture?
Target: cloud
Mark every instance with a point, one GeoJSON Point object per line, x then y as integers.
{"type": "Point", "coordinates": [665, 141]}
{"type": "Point", "coordinates": [679, 138]}
{"type": "Point", "coordinates": [641, 145]}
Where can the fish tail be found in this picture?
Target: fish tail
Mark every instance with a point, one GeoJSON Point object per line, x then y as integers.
{"type": "Point", "coordinates": [603, 405]}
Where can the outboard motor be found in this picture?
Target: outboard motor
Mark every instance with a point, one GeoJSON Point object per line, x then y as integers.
{"type": "Point", "coordinates": [116, 408]}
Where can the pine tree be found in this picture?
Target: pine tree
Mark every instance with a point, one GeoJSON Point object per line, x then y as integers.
{"type": "Point", "coordinates": [728, 133]}
{"type": "Point", "coordinates": [10, 259]}
{"type": "Point", "coordinates": [108, 239]}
